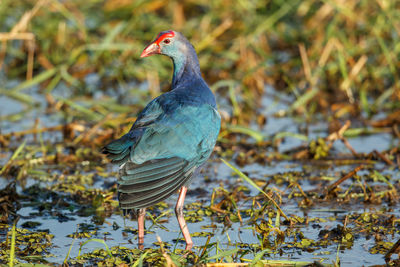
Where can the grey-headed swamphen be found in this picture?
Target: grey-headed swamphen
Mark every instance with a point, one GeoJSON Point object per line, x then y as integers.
{"type": "Point", "coordinates": [171, 139]}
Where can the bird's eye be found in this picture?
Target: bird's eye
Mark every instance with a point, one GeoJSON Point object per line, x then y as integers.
{"type": "Point", "coordinates": [167, 41]}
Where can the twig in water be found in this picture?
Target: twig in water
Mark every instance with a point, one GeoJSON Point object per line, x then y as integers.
{"type": "Point", "coordinates": [344, 178]}
{"type": "Point", "coordinates": [169, 262]}
{"type": "Point", "coordinates": [383, 157]}
{"type": "Point", "coordinates": [349, 147]}
{"type": "Point", "coordinates": [392, 250]}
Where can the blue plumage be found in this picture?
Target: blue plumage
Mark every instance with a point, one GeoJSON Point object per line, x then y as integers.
{"type": "Point", "coordinates": [172, 137]}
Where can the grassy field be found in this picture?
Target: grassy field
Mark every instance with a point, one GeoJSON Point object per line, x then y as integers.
{"type": "Point", "coordinates": [71, 80]}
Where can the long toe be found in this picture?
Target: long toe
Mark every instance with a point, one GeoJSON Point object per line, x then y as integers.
{"type": "Point", "coordinates": [189, 246]}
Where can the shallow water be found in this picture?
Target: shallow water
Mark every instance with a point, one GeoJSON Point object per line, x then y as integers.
{"type": "Point", "coordinates": [218, 175]}
{"type": "Point", "coordinates": [235, 233]}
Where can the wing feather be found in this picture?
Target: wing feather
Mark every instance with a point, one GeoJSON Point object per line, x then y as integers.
{"type": "Point", "coordinates": [145, 186]}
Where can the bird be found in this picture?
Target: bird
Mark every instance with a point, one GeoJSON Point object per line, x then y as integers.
{"type": "Point", "coordinates": [170, 140]}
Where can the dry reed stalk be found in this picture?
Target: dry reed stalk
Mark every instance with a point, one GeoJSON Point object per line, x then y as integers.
{"type": "Point", "coordinates": [19, 32]}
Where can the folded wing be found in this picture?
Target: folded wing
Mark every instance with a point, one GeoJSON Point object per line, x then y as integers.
{"type": "Point", "coordinates": [162, 151]}
{"type": "Point", "coordinates": [143, 185]}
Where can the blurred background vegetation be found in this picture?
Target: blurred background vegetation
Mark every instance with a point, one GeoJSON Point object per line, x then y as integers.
{"type": "Point", "coordinates": [335, 56]}
{"type": "Point", "coordinates": [71, 80]}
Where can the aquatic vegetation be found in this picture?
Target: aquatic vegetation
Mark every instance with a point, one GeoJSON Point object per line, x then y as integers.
{"type": "Point", "coordinates": [310, 101]}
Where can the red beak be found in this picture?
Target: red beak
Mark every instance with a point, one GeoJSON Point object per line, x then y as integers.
{"type": "Point", "coordinates": [151, 49]}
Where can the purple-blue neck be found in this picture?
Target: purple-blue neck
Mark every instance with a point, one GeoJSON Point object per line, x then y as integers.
{"type": "Point", "coordinates": [186, 66]}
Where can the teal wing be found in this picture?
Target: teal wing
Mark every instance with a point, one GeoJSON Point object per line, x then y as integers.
{"type": "Point", "coordinates": [170, 148]}
{"type": "Point", "coordinates": [119, 151]}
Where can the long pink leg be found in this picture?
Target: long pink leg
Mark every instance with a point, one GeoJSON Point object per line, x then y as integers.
{"type": "Point", "coordinates": [181, 219]}
{"type": "Point", "coordinates": [141, 215]}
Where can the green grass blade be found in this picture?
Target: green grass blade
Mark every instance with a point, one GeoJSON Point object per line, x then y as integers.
{"type": "Point", "coordinates": [303, 100]}
{"type": "Point", "coordinates": [101, 241]}
{"type": "Point", "coordinates": [14, 156]}
{"type": "Point", "coordinates": [354, 132]}
{"type": "Point", "coordinates": [139, 262]}
{"type": "Point", "coordinates": [280, 135]}
{"type": "Point", "coordinates": [247, 179]}
{"type": "Point", "coordinates": [223, 254]}
{"type": "Point", "coordinates": [258, 136]}
{"type": "Point", "coordinates": [18, 96]}
{"type": "Point", "coordinates": [12, 250]}
{"type": "Point", "coordinates": [87, 112]}
{"type": "Point", "coordinates": [69, 252]}
{"type": "Point", "coordinates": [259, 255]}
{"type": "Point", "coordinates": [36, 80]}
